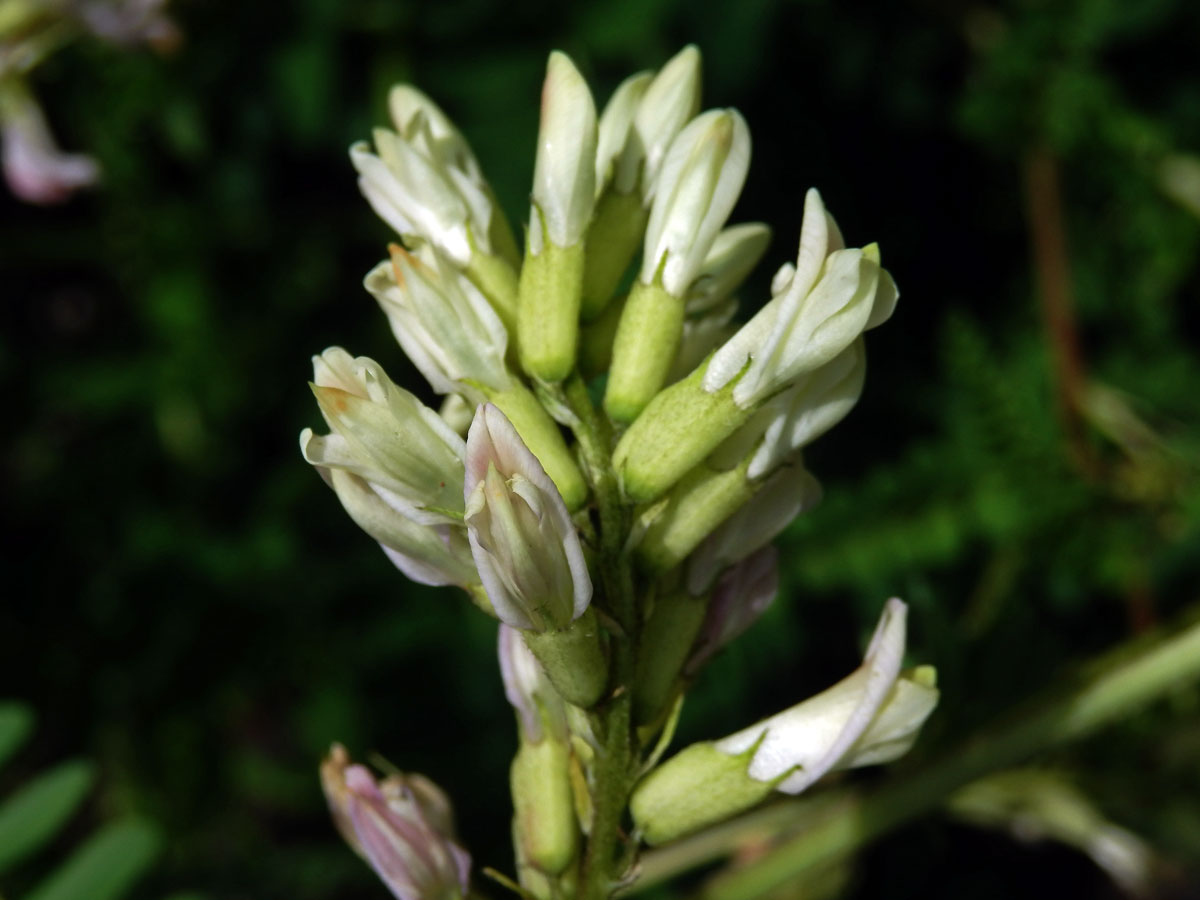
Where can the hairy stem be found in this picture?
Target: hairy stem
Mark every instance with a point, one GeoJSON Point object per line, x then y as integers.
{"type": "Point", "coordinates": [615, 767]}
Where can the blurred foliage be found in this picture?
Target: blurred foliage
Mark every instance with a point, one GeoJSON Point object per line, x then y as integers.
{"type": "Point", "coordinates": [190, 607]}
{"type": "Point", "coordinates": [110, 861]}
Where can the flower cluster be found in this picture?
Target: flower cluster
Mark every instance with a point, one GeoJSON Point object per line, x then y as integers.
{"type": "Point", "coordinates": [608, 469]}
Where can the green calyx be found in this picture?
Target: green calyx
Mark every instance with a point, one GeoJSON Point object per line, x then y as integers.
{"type": "Point", "coordinates": [678, 429]}
{"type": "Point", "coordinates": [614, 236]}
{"type": "Point", "coordinates": [699, 786]}
{"type": "Point", "coordinates": [645, 345]}
{"type": "Point", "coordinates": [548, 299]}
{"type": "Point", "coordinates": [573, 659]}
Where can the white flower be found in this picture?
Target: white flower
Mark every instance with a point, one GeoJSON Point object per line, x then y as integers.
{"type": "Point", "coordinates": [444, 324]}
{"type": "Point", "coordinates": [871, 716]}
{"type": "Point", "coordinates": [733, 255]}
{"type": "Point", "coordinates": [820, 307]}
{"type": "Point", "coordinates": [564, 173]}
{"type": "Point", "coordinates": [424, 182]}
{"type": "Point", "coordinates": [525, 547]}
{"type": "Point", "coordinates": [613, 135]}
{"type": "Point", "coordinates": [700, 180]}
{"type": "Point", "coordinates": [388, 437]}
{"type": "Point", "coordinates": [800, 414]}
{"type": "Point", "coordinates": [642, 119]}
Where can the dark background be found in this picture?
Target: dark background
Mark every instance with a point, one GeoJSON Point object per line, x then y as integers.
{"type": "Point", "coordinates": [188, 605]}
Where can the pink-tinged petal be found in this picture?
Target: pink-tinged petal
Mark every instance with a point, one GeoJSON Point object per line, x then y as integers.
{"type": "Point", "coordinates": [528, 554]}
{"type": "Point", "coordinates": [37, 171]}
{"type": "Point", "coordinates": [400, 826]}
{"type": "Point", "coordinates": [742, 594]}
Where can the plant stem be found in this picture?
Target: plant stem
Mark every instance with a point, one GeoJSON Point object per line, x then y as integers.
{"type": "Point", "coordinates": [1117, 684]}
{"type": "Point", "coordinates": [616, 761]}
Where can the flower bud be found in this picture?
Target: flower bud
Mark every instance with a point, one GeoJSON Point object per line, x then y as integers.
{"type": "Point", "coordinates": [443, 323]}
{"type": "Point", "coordinates": [733, 255]}
{"type": "Point", "coordinates": [799, 415]}
{"type": "Point", "coordinates": [700, 181]}
{"type": "Point", "coordinates": [388, 437]}
{"type": "Point", "coordinates": [525, 547]}
{"type": "Point", "coordinates": [831, 297]}
{"type": "Point", "coordinates": [564, 173]}
{"type": "Point", "coordinates": [427, 554]}
{"type": "Point", "coordinates": [551, 285]}
{"type": "Point", "coordinates": [641, 120]}
{"type": "Point", "coordinates": [785, 494]}
{"type": "Point", "coordinates": [637, 127]}
{"type": "Point", "coordinates": [742, 594]}
{"type": "Point", "coordinates": [667, 637]}
{"type": "Point", "coordinates": [399, 827]}
{"type": "Point", "coordinates": [615, 137]}
{"type": "Point", "coordinates": [870, 717]}
{"type": "Point", "coordinates": [826, 301]}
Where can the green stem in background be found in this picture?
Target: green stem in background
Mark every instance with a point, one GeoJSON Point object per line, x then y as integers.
{"type": "Point", "coordinates": [616, 762]}
{"type": "Point", "coordinates": [837, 823]}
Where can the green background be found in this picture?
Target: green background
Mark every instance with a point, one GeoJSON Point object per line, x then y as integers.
{"type": "Point", "coordinates": [187, 604]}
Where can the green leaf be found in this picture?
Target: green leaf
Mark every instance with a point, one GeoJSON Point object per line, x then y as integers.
{"type": "Point", "coordinates": [16, 722]}
{"type": "Point", "coordinates": [106, 866]}
{"type": "Point", "coordinates": [36, 812]}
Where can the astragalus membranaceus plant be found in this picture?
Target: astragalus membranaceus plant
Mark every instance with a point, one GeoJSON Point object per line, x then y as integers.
{"type": "Point", "coordinates": [606, 472]}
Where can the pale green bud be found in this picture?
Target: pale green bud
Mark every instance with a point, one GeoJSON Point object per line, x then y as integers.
{"type": "Point", "coordinates": [548, 304]}
{"type": "Point", "coordinates": [550, 290]}
{"type": "Point", "coordinates": [543, 805]}
{"type": "Point", "coordinates": [525, 546]}
{"type": "Point", "coordinates": [417, 196]}
{"type": "Point", "coordinates": [614, 139]}
{"type": "Point", "coordinates": [573, 659]}
{"type": "Point", "coordinates": [699, 502]}
{"type": "Point", "coordinates": [870, 717]}
{"type": "Point", "coordinates": [670, 102]}
{"type": "Point", "coordinates": [427, 554]}
{"type": "Point", "coordinates": [701, 178]}
{"type": "Point", "coordinates": [618, 225]}
{"type": "Point", "coordinates": [832, 295]}
{"type": "Point", "coordinates": [667, 638]}
{"type": "Point", "coordinates": [645, 345]}
{"type": "Point", "coordinates": [443, 323]}
{"type": "Point", "coordinates": [564, 174]}
{"type": "Point", "coordinates": [388, 437]}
